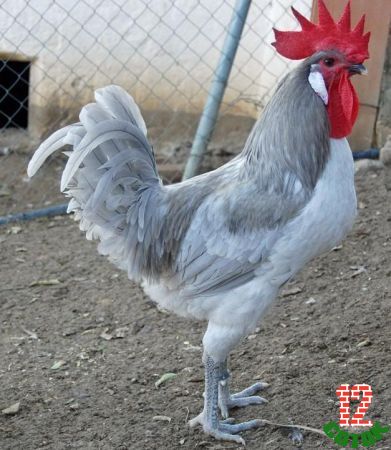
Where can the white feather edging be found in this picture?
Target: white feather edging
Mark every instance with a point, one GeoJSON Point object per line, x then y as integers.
{"type": "Point", "coordinates": [317, 83]}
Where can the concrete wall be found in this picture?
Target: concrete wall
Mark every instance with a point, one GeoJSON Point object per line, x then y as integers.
{"type": "Point", "coordinates": [162, 51]}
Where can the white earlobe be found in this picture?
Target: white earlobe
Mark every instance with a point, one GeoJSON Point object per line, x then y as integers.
{"type": "Point", "coordinates": [317, 83]}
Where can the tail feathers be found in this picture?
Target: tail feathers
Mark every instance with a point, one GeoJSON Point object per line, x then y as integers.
{"type": "Point", "coordinates": [111, 178]}
{"type": "Point", "coordinates": [121, 105]}
{"type": "Point", "coordinates": [112, 131]}
{"type": "Point", "coordinates": [52, 143]}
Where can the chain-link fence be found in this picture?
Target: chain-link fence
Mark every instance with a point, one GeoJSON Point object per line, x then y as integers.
{"type": "Point", "coordinates": [54, 53]}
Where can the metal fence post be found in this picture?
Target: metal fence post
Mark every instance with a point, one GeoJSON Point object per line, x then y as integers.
{"type": "Point", "coordinates": [217, 88]}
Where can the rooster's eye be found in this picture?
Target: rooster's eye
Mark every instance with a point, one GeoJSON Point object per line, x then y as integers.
{"type": "Point", "coordinates": [329, 62]}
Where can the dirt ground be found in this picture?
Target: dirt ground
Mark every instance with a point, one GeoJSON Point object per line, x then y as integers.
{"type": "Point", "coordinates": [82, 348]}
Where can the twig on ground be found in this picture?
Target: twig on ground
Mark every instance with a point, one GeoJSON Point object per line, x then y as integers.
{"type": "Point", "coordinates": [301, 427]}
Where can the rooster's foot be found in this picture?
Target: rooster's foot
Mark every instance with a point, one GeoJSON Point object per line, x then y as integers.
{"type": "Point", "coordinates": [225, 430]}
{"type": "Point", "coordinates": [240, 399]}
{"type": "Point", "coordinates": [216, 375]}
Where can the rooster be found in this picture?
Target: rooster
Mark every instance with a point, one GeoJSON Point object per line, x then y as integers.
{"type": "Point", "coordinates": [218, 247]}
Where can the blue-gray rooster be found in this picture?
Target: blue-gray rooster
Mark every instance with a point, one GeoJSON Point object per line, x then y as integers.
{"type": "Point", "coordinates": [218, 247]}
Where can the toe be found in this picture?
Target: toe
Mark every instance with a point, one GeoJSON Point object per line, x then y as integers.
{"type": "Point", "coordinates": [245, 401]}
{"type": "Point", "coordinates": [250, 391]}
{"type": "Point", "coordinates": [239, 427]}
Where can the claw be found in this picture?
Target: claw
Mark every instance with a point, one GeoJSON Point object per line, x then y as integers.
{"type": "Point", "coordinates": [220, 435]}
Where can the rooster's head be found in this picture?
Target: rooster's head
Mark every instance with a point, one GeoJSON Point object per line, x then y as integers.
{"type": "Point", "coordinates": [335, 52]}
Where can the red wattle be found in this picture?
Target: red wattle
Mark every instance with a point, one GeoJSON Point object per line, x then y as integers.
{"type": "Point", "coordinates": [342, 107]}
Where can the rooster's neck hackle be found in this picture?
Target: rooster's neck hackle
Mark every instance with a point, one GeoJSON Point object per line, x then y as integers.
{"type": "Point", "coordinates": [292, 136]}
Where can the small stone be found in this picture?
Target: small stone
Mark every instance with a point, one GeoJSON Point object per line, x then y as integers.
{"type": "Point", "coordinates": [310, 301]}
{"type": "Point", "coordinates": [385, 153]}
{"type": "Point", "coordinates": [57, 365]}
{"type": "Point", "coordinates": [368, 165]}
{"type": "Point", "coordinates": [162, 418]}
{"type": "Point", "coordinates": [15, 229]}
{"type": "Point", "coordinates": [49, 282]}
{"type": "Point", "coordinates": [13, 409]}
{"type": "Point", "coordinates": [120, 333]}
{"type": "Point", "coordinates": [291, 291]}
{"type": "Point", "coordinates": [4, 191]}
{"type": "Point", "coordinates": [105, 335]}
{"type": "Point", "coordinates": [358, 271]}
{"type": "Point", "coordinates": [364, 343]}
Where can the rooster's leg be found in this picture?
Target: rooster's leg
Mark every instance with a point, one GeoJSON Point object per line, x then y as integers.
{"type": "Point", "coordinates": [242, 398]}
{"type": "Point", "coordinates": [209, 419]}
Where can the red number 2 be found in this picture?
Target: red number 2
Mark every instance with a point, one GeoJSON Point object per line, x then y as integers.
{"type": "Point", "coordinates": [345, 395]}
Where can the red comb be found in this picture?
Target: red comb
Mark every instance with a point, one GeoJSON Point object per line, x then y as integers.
{"type": "Point", "coordinates": [326, 35]}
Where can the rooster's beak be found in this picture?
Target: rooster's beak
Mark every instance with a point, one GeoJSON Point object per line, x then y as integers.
{"type": "Point", "coordinates": [358, 69]}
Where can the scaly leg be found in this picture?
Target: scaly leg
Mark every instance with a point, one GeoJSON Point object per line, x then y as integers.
{"type": "Point", "coordinates": [240, 399]}
{"type": "Point", "coordinates": [224, 430]}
